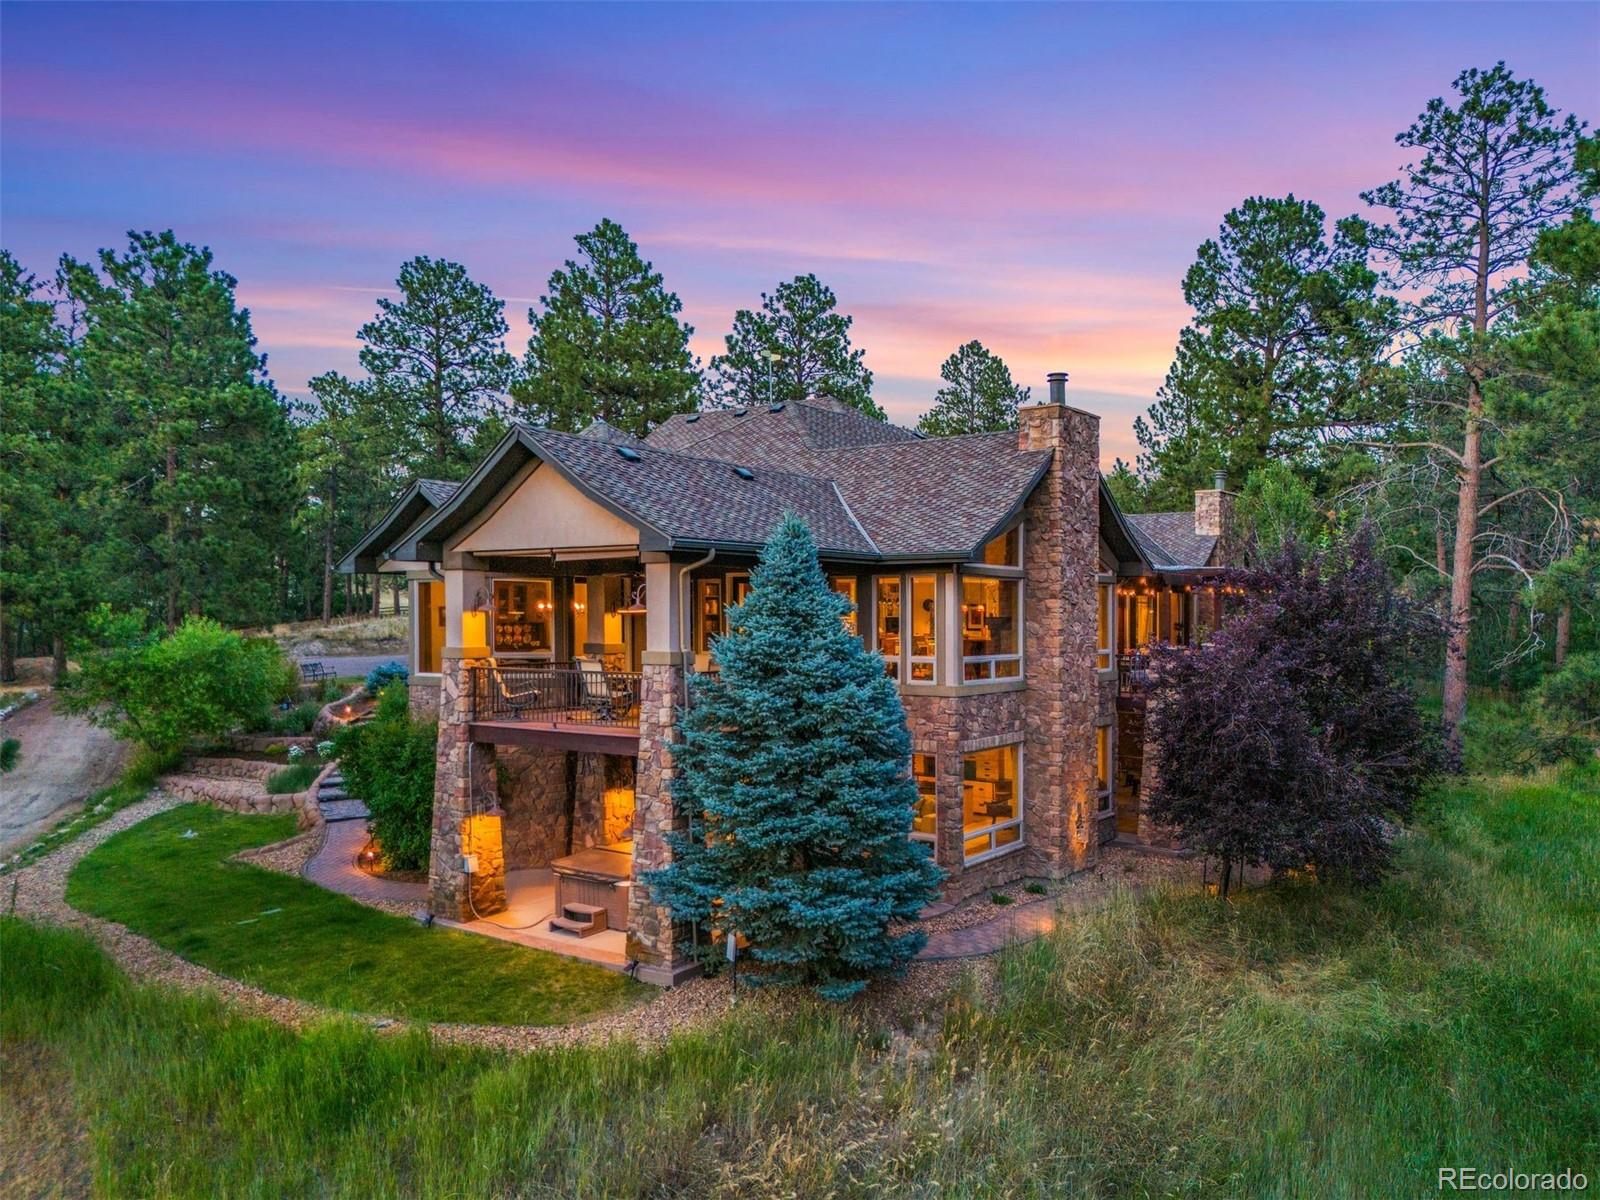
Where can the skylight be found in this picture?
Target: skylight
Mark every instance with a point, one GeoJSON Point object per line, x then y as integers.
{"type": "Point", "coordinates": [691, 418]}
{"type": "Point", "coordinates": [744, 472]}
{"type": "Point", "coordinates": [778, 407]}
{"type": "Point", "coordinates": [629, 453]}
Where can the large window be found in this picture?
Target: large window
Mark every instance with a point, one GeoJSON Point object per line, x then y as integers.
{"type": "Point", "coordinates": [708, 612]}
{"type": "Point", "coordinates": [924, 611]}
{"type": "Point", "coordinates": [1102, 767]}
{"type": "Point", "coordinates": [1105, 646]}
{"type": "Point", "coordinates": [524, 616]}
{"type": "Point", "coordinates": [991, 620]}
{"type": "Point", "coordinates": [991, 801]}
{"type": "Point", "coordinates": [925, 820]}
{"type": "Point", "coordinates": [845, 585]}
{"type": "Point", "coordinates": [886, 622]}
{"type": "Point", "coordinates": [430, 628]}
{"type": "Point", "coordinates": [1005, 550]}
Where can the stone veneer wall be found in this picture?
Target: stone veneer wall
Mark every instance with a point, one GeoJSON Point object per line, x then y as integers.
{"type": "Point", "coordinates": [466, 813]}
{"type": "Point", "coordinates": [603, 808]}
{"type": "Point", "coordinates": [424, 698]}
{"type": "Point", "coordinates": [531, 782]}
{"type": "Point", "coordinates": [653, 938]}
{"type": "Point", "coordinates": [1063, 700]}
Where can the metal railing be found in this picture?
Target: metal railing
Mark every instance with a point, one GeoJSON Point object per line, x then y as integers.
{"type": "Point", "coordinates": [558, 695]}
{"type": "Point", "coordinates": [1133, 673]}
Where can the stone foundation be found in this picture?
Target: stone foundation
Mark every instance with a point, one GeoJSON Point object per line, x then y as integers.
{"type": "Point", "coordinates": [653, 938]}
{"type": "Point", "coordinates": [532, 786]}
{"type": "Point", "coordinates": [424, 698]}
{"type": "Point", "coordinates": [466, 811]}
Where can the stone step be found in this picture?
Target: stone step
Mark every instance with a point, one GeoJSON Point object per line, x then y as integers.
{"type": "Point", "coordinates": [581, 929]}
{"type": "Point", "coordinates": [344, 810]}
{"type": "Point", "coordinates": [335, 792]}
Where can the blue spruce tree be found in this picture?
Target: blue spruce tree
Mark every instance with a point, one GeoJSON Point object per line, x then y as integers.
{"type": "Point", "coordinates": [793, 766]}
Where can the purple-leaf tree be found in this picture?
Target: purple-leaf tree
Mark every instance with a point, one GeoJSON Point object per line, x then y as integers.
{"type": "Point", "coordinates": [1292, 739]}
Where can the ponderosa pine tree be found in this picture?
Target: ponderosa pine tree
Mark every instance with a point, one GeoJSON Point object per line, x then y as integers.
{"type": "Point", "coordinates": [795, 347]}
{"type": "Point", "coordinates": [1494, 173]}
{"type": "Point", "coordinates": [607, 343]}
{"type": "Point", "coordinates": [50, 440]}
{"type": "Point", "coordinates": [437, 367]}
{"type": "Point", "coordinates": [1283, 349]}
{"type": "Point", "coordinates": [978, 396]}
{"type": "Point", "coordinates": [197, 484]}
{"type": "Point", "coordinates": [793, 768]}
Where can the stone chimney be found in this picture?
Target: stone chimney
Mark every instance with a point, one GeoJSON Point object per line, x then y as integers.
{"type": "Point", "coordinates": [1213, 508]}
{"type": "Point", "coordinates": [1062, 556]}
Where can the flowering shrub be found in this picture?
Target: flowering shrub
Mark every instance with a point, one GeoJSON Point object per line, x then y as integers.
{"type": "Point", "coordinates": [325, 749]}
{"type": "Point", "coordinates": [296, 753]}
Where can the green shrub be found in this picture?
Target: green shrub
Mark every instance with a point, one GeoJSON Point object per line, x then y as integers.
{"type": "Point", "coordinates": [296, 778]}
{"type": "Point", "coordinates": [1568, 704]}
{"type": "Point", "coordinates": [289, 722]}
{"type": "Point", "coordinates": [388, 762]}
{"type": "Point", "coordinates": [283, 675]}
{"type": "Point", "coordinates": [10, 748]}
{"type": "Point", "coordinates": [162, 691]}
{"type": "Point", "coordinates": [382, 675]}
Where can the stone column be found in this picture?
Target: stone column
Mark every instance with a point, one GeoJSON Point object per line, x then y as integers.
{"type": "Point", "coordinates": [1062, 561]}
{"type": "Point", "coordinates": [653, 939]}
{"type": "Point", "coordinates": [466, 807]}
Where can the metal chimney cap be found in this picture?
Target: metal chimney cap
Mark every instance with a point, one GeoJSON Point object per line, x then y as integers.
{"type": "Point", "coordinates": [1220, 480]}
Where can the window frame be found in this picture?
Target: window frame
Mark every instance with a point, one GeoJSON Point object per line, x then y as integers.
{"type": "Point", "coordinates": [1104, 796]}
{"type": "Point", "coordinates": [1015, 572]}
{"type": "Point", "coordinates": [893, 667]}
{"type": "Point", "coordinates": [494, 614]}
{"type": "Point", "coordinates": [421, 612]}
{"type": "Point", "coordinates": [931, 837]}
{"type": "Point", "coordinates": [990, 831]}
{"type": "Point", "coordinates": [1106, 617]}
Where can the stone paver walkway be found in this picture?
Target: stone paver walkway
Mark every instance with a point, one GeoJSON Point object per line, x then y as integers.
{"type": "Point", "coordinates": [1019, 924]}
{"type": "Point", "coordinates": [334, 867]}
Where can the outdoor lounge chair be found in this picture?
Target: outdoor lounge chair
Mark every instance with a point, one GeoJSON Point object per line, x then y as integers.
{"type": "Point", "coordinates": [518, 700]}
{"type": "Point", "coordinates": [600, 690]}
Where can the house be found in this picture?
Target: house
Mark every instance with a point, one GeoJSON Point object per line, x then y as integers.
{"type": "Point", "coordinates": [564, 591]}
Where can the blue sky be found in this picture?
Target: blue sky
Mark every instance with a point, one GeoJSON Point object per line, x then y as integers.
{"type": "Point", "coordinates": [1034, 176]}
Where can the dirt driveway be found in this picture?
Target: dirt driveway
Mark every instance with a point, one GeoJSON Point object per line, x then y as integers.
{"type": "Point", "coordinates": [63, 761]}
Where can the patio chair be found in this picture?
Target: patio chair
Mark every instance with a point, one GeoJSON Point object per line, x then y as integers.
{"type": "Point", "coordinates": [518, 700]}
{"type": "Point", "coordinates": [595, 688]}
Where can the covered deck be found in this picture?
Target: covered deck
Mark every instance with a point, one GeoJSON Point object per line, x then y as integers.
{"type": "Point", "coordinates": [585, 706]}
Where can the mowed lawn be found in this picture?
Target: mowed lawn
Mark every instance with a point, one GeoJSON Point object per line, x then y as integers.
{"type": "Point", "coordinates": [1299, 1042]}
{"type": "Point", "coordinates": [291, 937]}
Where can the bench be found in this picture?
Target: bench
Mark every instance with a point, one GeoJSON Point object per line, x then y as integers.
{"type": "Point", "coordinates": [315, 672]}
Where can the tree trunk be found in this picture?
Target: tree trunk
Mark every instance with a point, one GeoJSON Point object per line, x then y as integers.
{"type": "Point", "coordinates": [1469, 481]}
{"type": "Point", "coordinates": [1513, 621]}
{"type": "Point", "coordinates": [1563, 631]}
{"type": "Point", "coordinates": [58, 655]}
{"type": "Point", "coordinates": [377, 595]}
{"type": "Point", "coordinates": [172, 542]}
{"type": "Point", "coordinates": [8, 652]}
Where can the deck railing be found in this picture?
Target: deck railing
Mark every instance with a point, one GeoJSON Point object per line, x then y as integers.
{"type": "Point", "coordinates": [557, 695]}
{"type": "Point", "coordinates": [1133, 673]}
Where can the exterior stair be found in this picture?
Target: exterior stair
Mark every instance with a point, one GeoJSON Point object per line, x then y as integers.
{"type": "Point", "coordinates": [579, 920]}
{"type": "Point", "coordinates": [335, 803]}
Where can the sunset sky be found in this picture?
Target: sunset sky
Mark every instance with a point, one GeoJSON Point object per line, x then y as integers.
{"type": "Point", "coordinates": [1035, 177]}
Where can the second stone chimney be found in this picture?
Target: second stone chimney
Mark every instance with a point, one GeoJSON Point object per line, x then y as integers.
{"type": "Point", "coordinates": [1213, 508]}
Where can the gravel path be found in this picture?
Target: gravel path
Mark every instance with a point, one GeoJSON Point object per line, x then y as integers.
{"type": "Point", "coordinates": [38, 893]}
{"type": "Point", "coordinates": [956, 948]}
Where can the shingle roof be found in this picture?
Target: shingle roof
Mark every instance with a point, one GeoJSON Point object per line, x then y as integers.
{"type": "Point", "coordinates": [604, 431]}
{"type": "Point", "coordinates": [693, 500]}
{"type": "Point", "coordinates": [773, 433]}
{"type": "Point", "coordinates": [867, 489]}
{"type": "Point", "coordinates": [1168, 539]}
{"type": "Point", "coordinates": [437, 491]}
